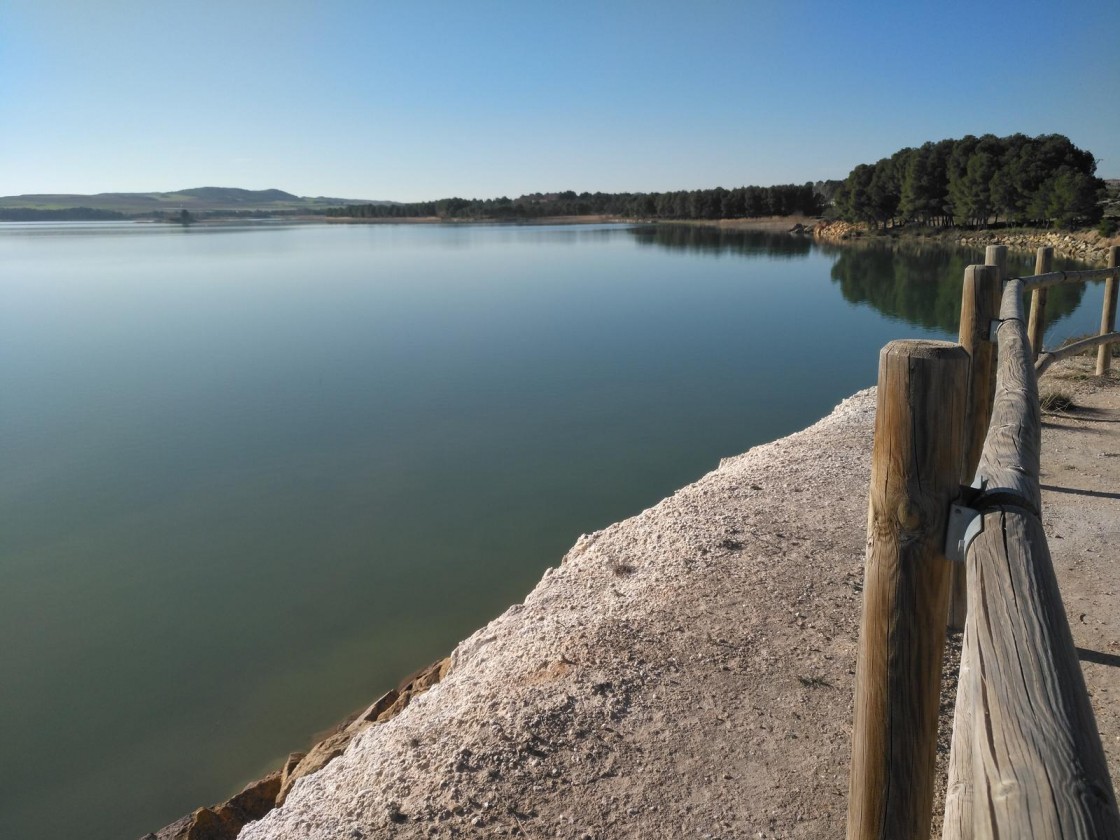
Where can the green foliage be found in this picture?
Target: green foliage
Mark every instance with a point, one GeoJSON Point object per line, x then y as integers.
{"type": "Point", "coordinates": [975, 181]}
{"type": "Point", "coordinates": [1108, 226]}
{"type": "Point", "coordinates": [718, 203]}
{"type": "Point", "coordinates": [66, 214]}
{"type": "Point", "coordinates": [701, 239]}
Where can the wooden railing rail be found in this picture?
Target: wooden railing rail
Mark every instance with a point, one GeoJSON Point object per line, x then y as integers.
{"type": "Point", "coordinates": [1063, 278]}
{"type": "Point", "coordinates": [1049, 357]}
{"type": "Point", "coordinates": [1044, 279]}
{"type": "Point", "coordinates": [1026, 758]}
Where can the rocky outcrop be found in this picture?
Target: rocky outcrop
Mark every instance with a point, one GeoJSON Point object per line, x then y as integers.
{"type": "Point", "coordinates": [837, 230]}
{"type": "Point", "coordinates": [384, 708]}
{"type": "Point", "coordinates": [225, 821]}
{"type": "Point", "coordinates": [1087, 246]}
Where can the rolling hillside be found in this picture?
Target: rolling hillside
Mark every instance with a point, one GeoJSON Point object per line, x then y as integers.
{"type": "Point", "coordinates": [198, 200]}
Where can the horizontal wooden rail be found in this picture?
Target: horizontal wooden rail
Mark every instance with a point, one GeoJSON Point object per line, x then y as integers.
{"type": "Point", "coordinates": [1037, 765]}
{"type": "Point", "coordinates": [1027, 759]}
{"type": "Point", "coordinates": [1061, 278]}
{"type": "Point", "coordinates": [1051, 356]}
{"type": "Point", "coordinates": [1010, 460]}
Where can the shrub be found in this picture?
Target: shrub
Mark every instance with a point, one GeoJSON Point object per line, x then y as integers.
{"type": "Point", "coordinates": [1056, 401]}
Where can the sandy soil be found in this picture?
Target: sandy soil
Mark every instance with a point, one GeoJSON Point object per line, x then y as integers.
{"type": "Point", "coordinates": [689, 672]}
{"type": "Point", "coordinates": [1081, 515]}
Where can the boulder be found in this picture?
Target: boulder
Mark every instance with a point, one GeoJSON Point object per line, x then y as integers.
{"type": "Point", "coordinates": [225, 821]}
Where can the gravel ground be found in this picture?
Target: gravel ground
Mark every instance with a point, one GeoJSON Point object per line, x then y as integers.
{"type": "Point", "coordinates": [689, 672]}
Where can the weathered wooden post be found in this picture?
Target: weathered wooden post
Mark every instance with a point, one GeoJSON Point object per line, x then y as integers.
{"type": "Point", "coordinates": [980, 298]}
{"type": "Point", "coordinates": [997, 255]}
{"type": "Point", "coordinates": [960, 794]}
{"type": "Point", "coordinates": [1043, 263]}
{"type": "Point", "coordinates": [915, 471]}
{"type": "Point", "coordinates": [1108, 313]}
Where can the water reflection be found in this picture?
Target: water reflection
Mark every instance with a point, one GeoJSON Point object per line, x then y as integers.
{"type": "Point", "coordinates": [212, 431]}
{"type": "Point", "coordinates": [912, 281]}
{"type": "Point", "coordinates": [921, 283]}
{"type": "Point", "coordinates": [713, 241]}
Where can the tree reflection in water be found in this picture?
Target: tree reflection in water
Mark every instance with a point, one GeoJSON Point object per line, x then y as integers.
{"type": "Point", "coordinates": [921, 283]}
{"type": "Point", "coordinates": [918, 282]}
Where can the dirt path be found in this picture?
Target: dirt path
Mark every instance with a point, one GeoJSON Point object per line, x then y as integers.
{"type": "Point", "coordinates": [1081, 515]}
{"type": "Point", "coordinates": [689, 672]}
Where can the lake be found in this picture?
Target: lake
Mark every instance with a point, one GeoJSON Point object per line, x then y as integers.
{"type": "Point", "coordinates": [252, 475]}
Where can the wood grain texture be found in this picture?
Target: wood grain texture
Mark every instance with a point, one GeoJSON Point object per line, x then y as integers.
{"type": "Point", "coordinates": [1108, 312]}
{"type": "Point", "coordinates": [959, 795]}
{"type": "Point", "coordinates": [916, 458]}
{"type": "Point", "coordinates": [1010, 460]}
{"type": "Point", "coordinates": [1037, 764]}
{"type": "Point", "coordinates": [1062, 278]}
{"type": "Point", "coordinates": [1047, 359]}
{"type": "Point", "coordinates": [980, 300]}
{"type": "Point", "coordinates": [1043, 262]}
{"type": "Point", "coordinates": [997, 255]}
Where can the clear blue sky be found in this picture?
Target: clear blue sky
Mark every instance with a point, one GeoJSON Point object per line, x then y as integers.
{"type": "Point", "coordinates": [411, 100]}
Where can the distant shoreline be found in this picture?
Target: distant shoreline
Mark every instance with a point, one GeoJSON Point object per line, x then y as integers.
{"type": "Point", "coordinates": [1083, 244]}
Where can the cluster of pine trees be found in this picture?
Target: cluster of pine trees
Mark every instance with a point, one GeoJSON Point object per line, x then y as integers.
{"type": "Point", "coordinates": [976, 181]}
{"type": "Point", "coordinates": [718, 203]}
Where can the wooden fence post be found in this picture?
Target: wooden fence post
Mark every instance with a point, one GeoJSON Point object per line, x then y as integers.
{"type": "Point", "coordinates": [1108, 313]}
{"type": "Point", "coordinates": [997, 255]}
{"type": "Point", "coordinates": [1043, 263]}
{"type": "Point", "coordinates": [960, 794]}
{"type": "Point", "coordinates": [979, 307]}
{"type": "Point", "coordinates": [1037, 765]}
{"type": "Point", "coordinates": [915, 472]}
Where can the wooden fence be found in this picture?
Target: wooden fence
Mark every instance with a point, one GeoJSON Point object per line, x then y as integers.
{"type": "Point", "coordinates": [955, 477]}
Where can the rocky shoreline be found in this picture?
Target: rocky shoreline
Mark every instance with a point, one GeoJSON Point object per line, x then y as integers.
{"type": "Point", "coordinates": [225, 821]}
{"type": "Point", "coordinates": [1087, 246]}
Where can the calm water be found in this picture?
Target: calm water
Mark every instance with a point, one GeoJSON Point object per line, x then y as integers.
{"type": "Point", "coordinates": [251, 476]}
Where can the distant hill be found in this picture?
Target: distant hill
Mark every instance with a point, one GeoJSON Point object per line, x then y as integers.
{"type": "Point", "coordinates": [197, 201]}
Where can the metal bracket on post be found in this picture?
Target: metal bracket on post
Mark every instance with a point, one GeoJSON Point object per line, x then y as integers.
{"type": "Point", "coordinates": [964, 524]}
{"type": "Point", "coordinates": [966, 515]}
{"type": "Point", "coordinates": [993, 328]}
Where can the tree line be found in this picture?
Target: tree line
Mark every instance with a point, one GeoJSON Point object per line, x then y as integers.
{"type": "Point", "coordinates": [977, 181]}
{"type": "Point", "coordinates": [69, 214]}
{"type": "Point", "coordinates": [742, 202]}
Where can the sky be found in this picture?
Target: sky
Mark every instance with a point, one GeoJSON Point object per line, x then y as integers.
{"type": "Point", "coordinates": [411, 100]}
